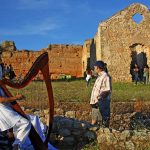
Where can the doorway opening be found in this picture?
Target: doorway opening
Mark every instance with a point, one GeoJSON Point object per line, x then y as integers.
{"type": "Point", "coordinates": [139, 58]}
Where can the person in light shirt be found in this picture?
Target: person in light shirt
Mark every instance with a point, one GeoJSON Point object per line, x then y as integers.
{"type": "Point", "coordinates": [88, 76]}
{"type": "Point", "coordinates": [101, 92]}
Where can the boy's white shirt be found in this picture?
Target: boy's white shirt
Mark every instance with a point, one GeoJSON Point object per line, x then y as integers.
{"type": "Point", "coordinates": [101, 84]}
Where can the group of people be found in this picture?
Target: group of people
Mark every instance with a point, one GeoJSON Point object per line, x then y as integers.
{"type": "Point", "coordinates": [8, 71]}
{"type": "Point", "coordinates": [140, 74]}
{"type": "Point", "coordinates": [101, 95]}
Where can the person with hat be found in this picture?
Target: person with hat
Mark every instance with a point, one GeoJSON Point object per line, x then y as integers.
{"type": "Point", "coordinates": [101, 93]}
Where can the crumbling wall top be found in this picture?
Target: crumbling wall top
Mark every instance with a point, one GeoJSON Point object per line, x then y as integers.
{"type": "Point", "coordinates": [128, 13]}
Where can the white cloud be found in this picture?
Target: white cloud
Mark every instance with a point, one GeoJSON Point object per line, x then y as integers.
{"type": "Point", "coordinates": [37, 28]}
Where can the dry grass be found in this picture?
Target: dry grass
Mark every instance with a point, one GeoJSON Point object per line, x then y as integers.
{"type": "Point", "coordinates": [76, 91]}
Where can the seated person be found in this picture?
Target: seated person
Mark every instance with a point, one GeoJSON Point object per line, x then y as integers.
{"type": "Point", "coordinates": [11, 119]}
{"type": "Point", "coordinates": [40, 128]}
{"type": "Point", "coordinates": [21, 126]}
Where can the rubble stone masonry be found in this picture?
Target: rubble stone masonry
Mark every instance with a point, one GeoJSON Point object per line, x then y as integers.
{"type": "Point", "coordinates": [121, 42]}
{"type": "Point", "coordinates": [63, 59]}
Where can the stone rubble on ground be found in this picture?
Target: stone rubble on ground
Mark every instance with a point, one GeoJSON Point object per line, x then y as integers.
{"type": "Point", "coordinates": [73, 133]}
{"type": "Point", "coordinates": [69, 131]}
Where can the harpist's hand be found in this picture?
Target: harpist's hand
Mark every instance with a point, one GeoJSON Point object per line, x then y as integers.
{"type": "Point", "coordinates": [19, 97]}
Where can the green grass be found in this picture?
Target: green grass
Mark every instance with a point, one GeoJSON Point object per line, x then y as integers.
{"type": "Point", "coordinates": [127, 92]}
{"type": "Point", "coordinates": [76, 91]}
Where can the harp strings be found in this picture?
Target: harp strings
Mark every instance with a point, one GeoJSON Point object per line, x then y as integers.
{"type": "Point", "coordinates": [35, 94]}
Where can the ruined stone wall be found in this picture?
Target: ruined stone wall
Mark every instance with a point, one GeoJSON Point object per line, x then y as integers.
{"type": "Point", "coordinates": [8, 46]}
{"type": "Point", "coordinates": [87, 54]}
{"type": "Point", "coordinates": [66, 59]}
{"type": "Point", "coordinates": [21, 61]}
{"type": "Point", "coordinates": [117, 36]}
{"type": "Point", "coordinates": [63, 59]}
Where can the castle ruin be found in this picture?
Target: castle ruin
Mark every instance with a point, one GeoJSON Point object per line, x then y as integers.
{"type": "Point", "coordinates": [119, 41]}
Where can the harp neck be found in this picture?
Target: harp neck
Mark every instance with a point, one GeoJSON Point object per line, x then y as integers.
{"type": "Point", "coordinates": [41, 64]}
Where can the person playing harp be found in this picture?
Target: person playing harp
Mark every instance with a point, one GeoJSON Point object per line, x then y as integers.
{"type": "Point", "coordinates": [10, 119]}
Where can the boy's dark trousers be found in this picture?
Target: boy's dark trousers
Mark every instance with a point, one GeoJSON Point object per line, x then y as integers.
{"type": "Point", "coordinates": [104, 106]}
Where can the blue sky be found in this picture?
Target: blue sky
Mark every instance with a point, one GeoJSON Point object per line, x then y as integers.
{"type": "Point", "coordinates": [33, 24]}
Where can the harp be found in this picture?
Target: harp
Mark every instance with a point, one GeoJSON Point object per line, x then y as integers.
{"type": "Point", "coordinates": [41, 64]}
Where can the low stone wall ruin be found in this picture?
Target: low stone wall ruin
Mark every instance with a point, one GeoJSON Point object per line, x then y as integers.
{"type": "Point", "coordinates": [129, 130]}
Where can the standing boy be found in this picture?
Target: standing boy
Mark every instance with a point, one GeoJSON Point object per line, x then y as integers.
{"type": "Point", "coordinates": [101, 92]}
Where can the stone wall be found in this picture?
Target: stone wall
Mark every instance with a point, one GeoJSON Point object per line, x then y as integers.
{"type": "Point", "coordinates": [122, 114]}
{"type": "Point", "coordinates": [20, 60]}
{"type": "Point", "coordinates": [63, 59]}
{"type": "Point", "coordinates": [73, 131]}
{"type": "Point", "coordinates": [66, 59]}
{"type": "Point", "coordinates": [8, 46]}
{"type": "Point", "coordinates": [87, 54]}
{"type": "Point", "coordinates": [118, 39]}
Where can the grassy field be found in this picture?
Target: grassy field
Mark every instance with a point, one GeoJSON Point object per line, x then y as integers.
{"type": "Point", "coordinates": [76, 91]}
